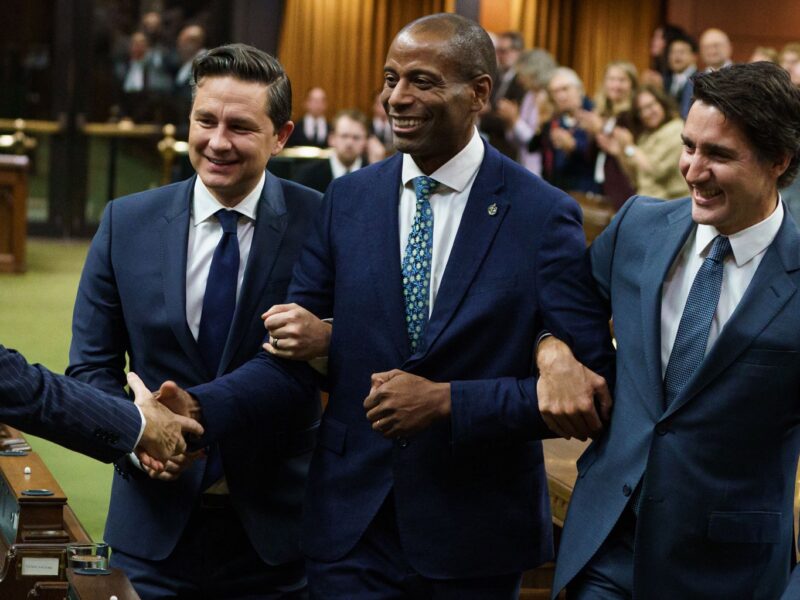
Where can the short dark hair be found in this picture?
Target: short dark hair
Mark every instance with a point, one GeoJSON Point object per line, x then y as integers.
{"type": "Point", "coordinates": [248, 64]}
{"type": "Point", "coordinates": [469, 47]}
{"type": "Point", "coordinates": [760, 99]}
{"type": "Point", "coordinates": [686, 39]}
{"type": "Point", "coordinates": [516, 39]}
{"type": "Point", "coordinates": [354, 115]}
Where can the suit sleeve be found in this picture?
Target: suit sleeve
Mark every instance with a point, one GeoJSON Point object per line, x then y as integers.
{"type": "Point", "coordinates": [486, 410]}
{"type": "Point", "coordinates": [268, 389]}
{"type": "Point", "coordinates": [65, 411]}
{"type": "Point", "coordinates": [99, 337]}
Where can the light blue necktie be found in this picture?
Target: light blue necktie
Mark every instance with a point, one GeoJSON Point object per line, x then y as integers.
{"type": "Point", "coordinates": [417, 263]}
{"type": "Point", "coordinates": [692, 338]}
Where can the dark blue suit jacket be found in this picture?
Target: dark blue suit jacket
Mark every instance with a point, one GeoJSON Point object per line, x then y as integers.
{"type": "Point", "coordinates": [470, 494]}
{"type": "Point", "coordinates": [65, 411]}
{"type": "Point", "coordinates": [132, 301]}
{"type": "Point", "coordinates": [719, 465]}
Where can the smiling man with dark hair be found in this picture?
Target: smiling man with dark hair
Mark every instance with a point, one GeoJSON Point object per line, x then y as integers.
{"type": "Point", "coordinates": [689, 493]}
{"type": "Point", "coordinates": [440, 267]}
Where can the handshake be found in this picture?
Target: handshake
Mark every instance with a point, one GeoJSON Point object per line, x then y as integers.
{"type": "Point", "coordinates": [170, 414]}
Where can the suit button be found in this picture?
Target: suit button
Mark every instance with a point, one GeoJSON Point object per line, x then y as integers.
{"type": "Point", "coordinates": [626, 490]}
{"type": "Point", "coordinates": [662, 429]}
{"type": "Point", "coordinates": [402, 442]}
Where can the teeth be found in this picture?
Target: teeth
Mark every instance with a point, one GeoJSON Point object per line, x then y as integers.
{"type": "Point", "coordinates": [407, 122]}
{"type": "Point", "coordinates": [220, 162]}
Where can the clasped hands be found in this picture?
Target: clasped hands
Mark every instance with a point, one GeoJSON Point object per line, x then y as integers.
{"type": "Point", "coordinates": [170, 413]}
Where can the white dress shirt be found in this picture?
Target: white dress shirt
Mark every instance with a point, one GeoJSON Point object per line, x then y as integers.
{"type": "Point", "coordinates": [748, 248]}
{"type": "Point", "coordinates": [316, 129]}
{"type": "Point", "coordinates": [205, 232]}
{"type": "Point", "coordinates": [448, 201]}
{"type": "Point", "coordinates": [338, 169]}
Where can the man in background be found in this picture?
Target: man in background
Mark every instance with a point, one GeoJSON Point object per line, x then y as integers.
{"type": "Point", "coordinates": [682, 62]}
{"type": "Point", "coordinates": [312, 130]}
{"type": "Point", "coordinates": [715, 49]}
{"type": "Point", "coordinates": [348, 140]}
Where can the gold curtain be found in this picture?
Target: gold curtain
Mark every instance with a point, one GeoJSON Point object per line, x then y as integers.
{"type": "Point", "coordinates": [588, 35]}
{"type": "Point", "coordinates": [340, 46]}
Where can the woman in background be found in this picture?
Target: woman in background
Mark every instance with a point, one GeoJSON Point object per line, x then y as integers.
{"type": "Point", "coordinates": [612, 109]}
{"type": "Point", "coordinates": [651, 156]}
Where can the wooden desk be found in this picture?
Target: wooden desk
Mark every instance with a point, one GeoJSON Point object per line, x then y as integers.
{"type": "Point", "coordinates": [13, 212]}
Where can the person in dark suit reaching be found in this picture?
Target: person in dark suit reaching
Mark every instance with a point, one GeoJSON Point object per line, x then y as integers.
{"type": "Point", "coordinates": [440, 267]}
{"type": "Point", "coordinates": [86, 420]}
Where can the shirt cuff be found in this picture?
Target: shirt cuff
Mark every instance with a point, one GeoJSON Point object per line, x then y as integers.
{"type": "Point", "coordinates": [141, 429]}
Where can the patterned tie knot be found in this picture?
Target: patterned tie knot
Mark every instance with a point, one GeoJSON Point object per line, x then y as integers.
{"type": "Point", "coordinates": [423, 186]}
{"type": "Point", "coordinates": [228, 219]}
{"type": "Point", "coordinates": [720, 249]}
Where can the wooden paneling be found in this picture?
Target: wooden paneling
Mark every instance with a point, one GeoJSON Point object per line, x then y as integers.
{"type": "Point", "coordinates": [748, 24]}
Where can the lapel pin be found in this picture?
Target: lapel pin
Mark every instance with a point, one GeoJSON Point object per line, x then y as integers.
{"type": "Point", "coordinates": [492, 210]}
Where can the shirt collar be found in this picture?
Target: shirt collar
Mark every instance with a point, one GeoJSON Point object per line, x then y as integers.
{"type": "Point", "coordinates": [204, 205]}
{"type": "Point", "coordinates": [747, 243]}
{"type": "Point", "coordinates": [338, 169]}
{"type": "Point", "coordinates": [457, 172]}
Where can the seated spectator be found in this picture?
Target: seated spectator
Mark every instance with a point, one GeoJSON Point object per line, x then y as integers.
{"type": "Point", "coordinates": [764, 53]}
{"type": "Point", "coordinates": [682, 60]}
{"type": "Point", "coordinates": [381, 126]}
{"type": "Point", "coordinates": [141, 92]}
{"type": "Point", "coordinates": [191, 42]}
{"type": "Point", "coordinates": [567, 158]}
{"type": "Point", "coordinates": [521, 120]}
{"type": "Point", "coordinates": [715, 49]}
{"type": "Point", "coordinates": [659, 42]}
{"type": "Point", "coordinates": [790, 55]}
{"type": "Point", "coordinates": [312, 129]}
{"type": "Point", "coordinates": [348, 140]}
{"type": "Point", "coordinates": [652, 161]}
{"type": "Point", "coordinates": [612, 109]}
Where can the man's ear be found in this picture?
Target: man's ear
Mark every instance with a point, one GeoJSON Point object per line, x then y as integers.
{"type": "Point", "coordinates": [780, 166]}
{"type": "Point", "coordinates": [482, 90]}
{"type": "Point", "coordinates": [283, 135]}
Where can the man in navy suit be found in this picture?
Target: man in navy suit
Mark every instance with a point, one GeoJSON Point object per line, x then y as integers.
{"type": "Point", "coordinates": [440, 267]}
{"type": "Point", "coordinates": [85, 419]}
{"type": "Point", "coordinates": [175, 281]}
{"type": "Point", "coordinates": [689, 493]}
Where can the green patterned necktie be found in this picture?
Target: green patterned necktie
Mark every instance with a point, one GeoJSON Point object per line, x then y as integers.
{"type": "Point", "coordinates": [417, 263]}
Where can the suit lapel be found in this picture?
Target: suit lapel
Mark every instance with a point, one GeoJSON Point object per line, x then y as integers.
{"type": "Point", "coordinates": [270, 226]}
{"type": "Point", "coordinates": [384, 250]}
{"type": "Point", "coordinates": [768, 292]}
{"type": "Point", "coordinates": [476, 232]}
{"type": "Point", "coordinates": [175, 238]}
{"type": "Point", "coordinates": [661, 252]}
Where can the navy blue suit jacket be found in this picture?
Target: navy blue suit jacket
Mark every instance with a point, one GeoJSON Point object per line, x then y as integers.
{"type": "Point", "coordinates": [65, 411]}
{"type": "Point", "coordinates": [132, 301]}
{"type": "Point", "coordinates": [719, 465]}
{"type": "Point", "coordinates": [470, 494]}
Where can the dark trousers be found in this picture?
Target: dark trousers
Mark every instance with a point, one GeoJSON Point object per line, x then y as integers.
{"type": "Point", "coordinates": [376, 569]}
{"type": "Point", "coordinates": [609, 573]}
{"type": "Point", "coordinates": [214, 560]}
